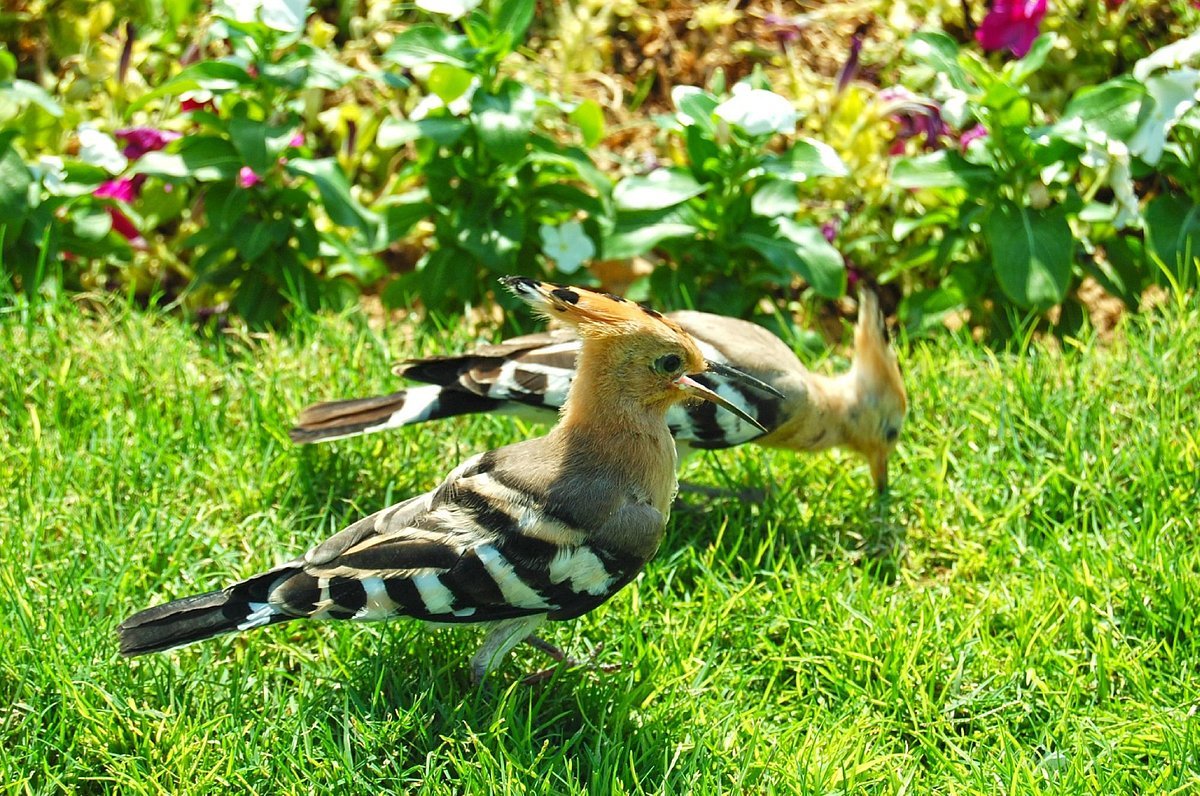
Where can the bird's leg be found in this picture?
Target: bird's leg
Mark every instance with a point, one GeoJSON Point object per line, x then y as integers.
{"type": "Point", "coordinates": [562, 658]}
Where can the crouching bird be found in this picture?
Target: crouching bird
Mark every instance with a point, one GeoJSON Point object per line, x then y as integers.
{"type": "Point", "coordinates": [548, 528]}
{"type": "Point", "coordinates": [862, 409]}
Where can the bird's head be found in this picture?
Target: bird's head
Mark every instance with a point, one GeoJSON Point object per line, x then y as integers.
{"type": "Point", "coordinates": [877, 418]}
{"type": "Point", "coordinates": [644, 356]}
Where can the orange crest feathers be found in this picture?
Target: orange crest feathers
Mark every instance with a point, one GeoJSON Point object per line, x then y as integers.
{"type": "Point", "coordinates": [594, 314]}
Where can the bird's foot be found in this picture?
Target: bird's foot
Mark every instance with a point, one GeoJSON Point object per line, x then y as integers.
{"type": "Point", "coordinates": [563, 658]}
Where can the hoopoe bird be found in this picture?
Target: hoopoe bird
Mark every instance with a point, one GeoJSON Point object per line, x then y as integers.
{"type": "Point", "coordinates": [545, 529]}
{"type": "Point", "coordinates": [862, 409]}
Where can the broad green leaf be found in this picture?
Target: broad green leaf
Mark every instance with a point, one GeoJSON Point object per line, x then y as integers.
{"type": "Point", "coordinates": [205, 158]}
{"type": "Point", "coordinates": [443, 130]}
{"type": "Point", "coordinates": [1111, 107]}
{"type": "Point", "coordinates": [15, 180]}
{"type": "Point", "coordinates": [943, 169]}
{"type": "Point", "coordinates": [939, 52]}
{"type": "Point", "coordinates": [513, 17]}
{"type": "Point", "coordinates": [28, 91]}
{"type": "Point", "coordinates": [91, 223]}
{"type": "Point", "coordinates": [504, 120]}
{"type": "Point", "coordinates": [589, 118]}
{"type": "Point", "coordinates": [259, 237]}
{"type": "Point", "coordinates": [800, 249]}
{"type": "Point", "coordinates": [449, 82]}
{"type": "Point", "coordinates": [250, 138]}
{"type": "Point", "coordinates": [657, 190]}
{"type": "Point", "coordinates": [334, 189]}
{"type": "Point", "coordinates": [214, 76]}
{"type": "Point", "coordinates": [428, 44]}
{"type": "Point", "coordinates": [776, 198]}
{"type": "Point", "coordinates": [1173, 231]}
{"type": "Point", "coordinates": [638, 233]}
{"type": "Point", "coordinates": [1020, 71]}
{"type": "Point", "coordinates": [805, 160]}
{"type": "Point", "coordinates": [1031, 252]}
{"type": "Point", "coordinates": [699, 107]}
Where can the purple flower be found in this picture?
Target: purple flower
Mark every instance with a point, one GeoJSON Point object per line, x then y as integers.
{"type": "Point", "coordinates": [1011, 25]}
{"type": "Point", "coordinates": [125, 228]}
{"type": "Point", "coordinates": [915, 116]}
{"type": "Point", "coordinates": [140, 140]}
{"type": "Point", "coordinates": [974, 134]}
{"type": "Point", "coordinates": [850, 68]}
{"type": "Point", "coordinates": [784, 29]}
{"type": "Point", "coordinates": [831, 228]}
{"type": "Point", "coordinates": [247, 178]}
{"type": "Point", "coordinates": [123, 189]}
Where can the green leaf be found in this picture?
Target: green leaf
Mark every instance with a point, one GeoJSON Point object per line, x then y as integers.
{"type": "Point", "coordinates": [261, 236]}
{"type": "Point", "coordinates": [340, 204]}
{"type": "Point", "coordinates": [91, 223]}
{"type": "Point", "coordinates": [805, 160]}
{"type": "Point", "coordinates": [776, 198]}
{"type": "Point", "coordinates": [204, 158]}
{"type": "Point", "coordinates": [1111, 107]}
{"type": "Point", "coordinates": [15, 180]}
{"type": "Point", "coordinates": [1020, 71]}
{"type": "Point", "coordinates": [589, 118]}
{"type": "Point", "coordinates": [449, 82]}
{"type": "Point", "coordinates": [659, 189]}
{"type": "Point", "coordinates": [1031, 252]}
{"type": "Point", "coordinates": [443, 130]}
{"type": "Point", "coordinates": [800, 249]}
{"type": "Point", "coordinates": [513, 17]}
{"type": "Point", "coordinates": [943, 169]}
{"type": "Point", "coordinates": [504, 120]}
{"type": "Point", "coordinates": [214, 76]}
{"type": "Point", "coordinates": [428, 44]}
{"type": "Point", "coordinates": [699, 105]}
{"type": "Point", "coordinates": [1173, 231]}
{"type": "Point", "coordinates": [637, 233]}
{"type": "Point", "coordinates": [28, 91]}
{"type": "Point", "coordinates": [939, 52]}
{"type": "Point", "coordinates": [250, 138]}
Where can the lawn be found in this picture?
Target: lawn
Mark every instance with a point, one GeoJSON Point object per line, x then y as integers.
{"type": "Point", "coordinates": [1021, 617]}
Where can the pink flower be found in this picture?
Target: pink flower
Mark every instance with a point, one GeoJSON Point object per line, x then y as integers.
{"type": "Point", "coordinates": [247, 178]}
{"type": "Point", "coordinates": [1011, 25]}
{"type": "Point", "coordinates": [297, 141]}
{"type": "Point", "coordinates": [140, 140]}
{"type": "Point", "coordinates": [125, 228]}
{"type": "Point", "coordinates": [974, 134]}
{"type": "Point", "coordinates": [196, 101]}
{"type": "Point", "coordinates": [123, 189]}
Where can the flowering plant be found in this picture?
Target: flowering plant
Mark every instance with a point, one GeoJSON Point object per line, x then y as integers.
{"type": "Point", "coordinates": [724, 219]}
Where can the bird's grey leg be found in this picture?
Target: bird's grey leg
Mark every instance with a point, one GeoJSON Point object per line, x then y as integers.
{"type": "Point", "coordinates": [500, 640]}
{"type": "Point", "coordinates": [561, 658]}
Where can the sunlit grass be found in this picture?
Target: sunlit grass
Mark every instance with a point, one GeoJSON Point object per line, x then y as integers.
{"type": "Point", "coordinates": [1022, 616]}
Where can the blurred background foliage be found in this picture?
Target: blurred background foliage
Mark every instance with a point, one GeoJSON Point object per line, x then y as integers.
{"type": "Point", "coordinates": [987, 164]}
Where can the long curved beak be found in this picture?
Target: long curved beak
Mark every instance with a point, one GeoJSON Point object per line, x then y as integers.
{"type": "Point", "coordinates": [744, 378]}
{"type": "Point", "coordinates": [695, 388]}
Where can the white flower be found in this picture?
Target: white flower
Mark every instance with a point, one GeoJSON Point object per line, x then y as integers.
{"type": "Point", "coordinates": [451, 8]}
{"type": "Point", "coordinates": [99, 149]}
{"type": "Point", "coordinates": [1172, 94]}
{"type": "Point", "coordinates": [758, 111]}
{"type": "Point", "coordinates": [567, 245]}
{"type": "Point", "coordinates": [287, 16]}
{"type": "Point", "coordinates": [678, 95]}
{"type": "Point", "coordinates": [1173, 55]}
{"type": "Point", "coordinates": [49, 169]}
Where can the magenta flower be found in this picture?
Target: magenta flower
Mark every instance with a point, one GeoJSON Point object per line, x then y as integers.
{"type": "Point", "coordinates": [296, 141]}
{"type": "Point", "coordinates": [974, 134]}
{"type": "Point", "coordinates": [140, 140]}
{"type": "Point", "coordinates": [1011, 25]}
{"type": "Point", "coordinates": [123, 189]}
{"type": "Point", "coordinates": [125, 228]}
{"type": "Point", "coordinates": [247, 178]}
{"type": "Point", "coordinates": [916, 116]}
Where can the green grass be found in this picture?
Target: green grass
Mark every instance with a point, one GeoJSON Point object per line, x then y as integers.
{"type": "Point", "coordinates": [1023, 620]}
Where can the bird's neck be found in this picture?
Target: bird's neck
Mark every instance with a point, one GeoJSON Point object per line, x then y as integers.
{"type": "Point", "coordinates": [818, 409]}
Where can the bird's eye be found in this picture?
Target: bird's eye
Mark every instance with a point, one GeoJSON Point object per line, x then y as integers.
{"type": "Point", "coordinates": [668, 365]}
{"type": "Point", "coordinates": [891, 434]}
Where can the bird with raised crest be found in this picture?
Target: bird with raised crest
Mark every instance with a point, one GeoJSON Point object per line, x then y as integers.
{"type": "Point", "coordinates": [862, 409]}
{"type": "Point", "coordinates": [544, 529]}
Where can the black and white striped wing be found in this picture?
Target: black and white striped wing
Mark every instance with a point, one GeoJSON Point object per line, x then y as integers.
{"type": "Point", "coordinates": [474, 550]}
{"type": "Point", "coordinates": [535, 370]}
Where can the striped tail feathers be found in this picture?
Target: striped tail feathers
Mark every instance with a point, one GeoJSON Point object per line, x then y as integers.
{"type": "Point", "coordinates": [333, 420]}
{"type": "Point", "coordinates": [179, 622]}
